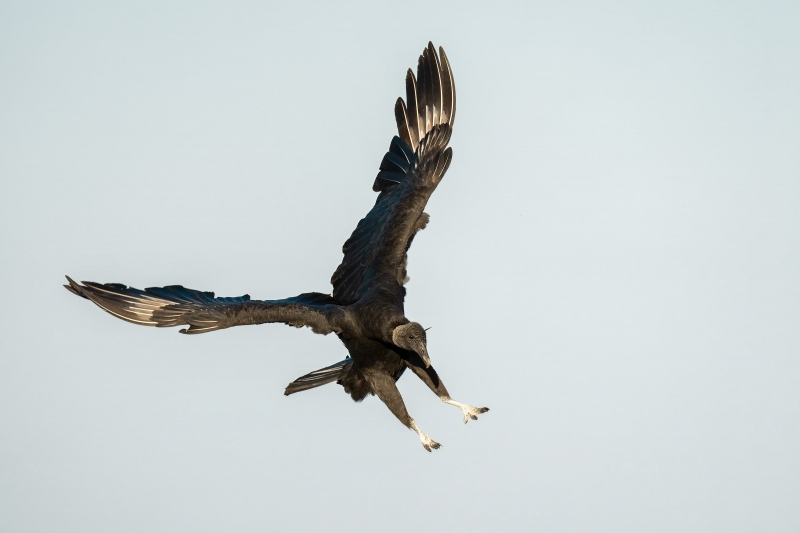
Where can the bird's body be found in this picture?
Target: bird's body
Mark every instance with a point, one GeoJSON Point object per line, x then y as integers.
{"type": "Point", "coordinates": [365, 309]}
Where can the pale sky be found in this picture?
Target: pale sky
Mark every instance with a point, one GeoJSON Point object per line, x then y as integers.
{"type": "Point", "coordinates": [612, 266]}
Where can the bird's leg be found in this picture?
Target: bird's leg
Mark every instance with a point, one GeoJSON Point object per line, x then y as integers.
{"type": "Point", "coordinates": [384, 386]}
{"type": "Point", "coordinates": [431, 379]}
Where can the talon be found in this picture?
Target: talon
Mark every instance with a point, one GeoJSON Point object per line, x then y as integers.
{"type": "Point", "coordinates": [426, 441]}
{"type": "Point", "coordinates": [431, 444]}
{"type": "Point", "coordinates": [472, 412]}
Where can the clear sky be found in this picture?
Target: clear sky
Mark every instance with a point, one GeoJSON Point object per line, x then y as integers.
{"type": "Point", "coordinates": [612, 266]}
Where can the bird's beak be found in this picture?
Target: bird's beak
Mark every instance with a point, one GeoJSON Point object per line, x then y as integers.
{"type": "Point", "coordinates": [424, 354]}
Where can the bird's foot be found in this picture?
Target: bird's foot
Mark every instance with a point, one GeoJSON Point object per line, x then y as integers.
{"type": "Point", "coordinates": [428, 442]}
{"type": "Point", "coordinates": [472, 412]}
{"type": "Point", "coordinates": [468, 410]}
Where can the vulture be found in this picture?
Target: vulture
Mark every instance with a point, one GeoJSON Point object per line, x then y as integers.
{"type": "Point", "coordinates": [365, 308]}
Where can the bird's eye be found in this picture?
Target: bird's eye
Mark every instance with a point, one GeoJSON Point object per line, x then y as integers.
{"type": "Point", "coordinates": [411, 336]}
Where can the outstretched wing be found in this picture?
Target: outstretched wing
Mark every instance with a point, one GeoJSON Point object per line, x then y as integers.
{"type": "Point", "coordinates": [201, 311]}
{"type": "Point", "coordinates": [375, 254]}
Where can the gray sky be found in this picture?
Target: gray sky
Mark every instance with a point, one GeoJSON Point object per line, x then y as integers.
{"type": "Point", "coordinates": [612, 266]}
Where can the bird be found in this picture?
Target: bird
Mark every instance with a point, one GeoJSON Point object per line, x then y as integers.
{"type": "Point", "coordinates": [365, 308]}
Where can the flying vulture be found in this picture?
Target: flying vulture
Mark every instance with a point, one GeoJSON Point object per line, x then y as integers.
{"type": "Point", "coordinates": [365, 309]}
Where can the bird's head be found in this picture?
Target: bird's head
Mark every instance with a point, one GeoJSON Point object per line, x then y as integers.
{"type": "Point", "coordinates": [411, 337]}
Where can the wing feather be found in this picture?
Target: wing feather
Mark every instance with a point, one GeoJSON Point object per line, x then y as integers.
{"type": "Point", "coordinates": [413, 110]}
{"type": "Point", "coordinates": [176, 305]}
{"type": "Point", "coordinates": [409, 173]}
{"type": "Point", "coordinates": [403, 125]}
{"type": "Point", "coordinates": [448, 89]}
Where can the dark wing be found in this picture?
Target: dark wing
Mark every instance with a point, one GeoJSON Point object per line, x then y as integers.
{"type": "Point", "coordinates": [201, 311]}
{"type": "Point", "coordinates": [375, 254]}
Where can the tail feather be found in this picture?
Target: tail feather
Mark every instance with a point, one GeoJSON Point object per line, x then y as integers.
{"type": "Point", "coordinates": [319, 377]}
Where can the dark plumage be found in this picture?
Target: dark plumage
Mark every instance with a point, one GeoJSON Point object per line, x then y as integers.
{"type": "Point", "coordinates": [365, 309]}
